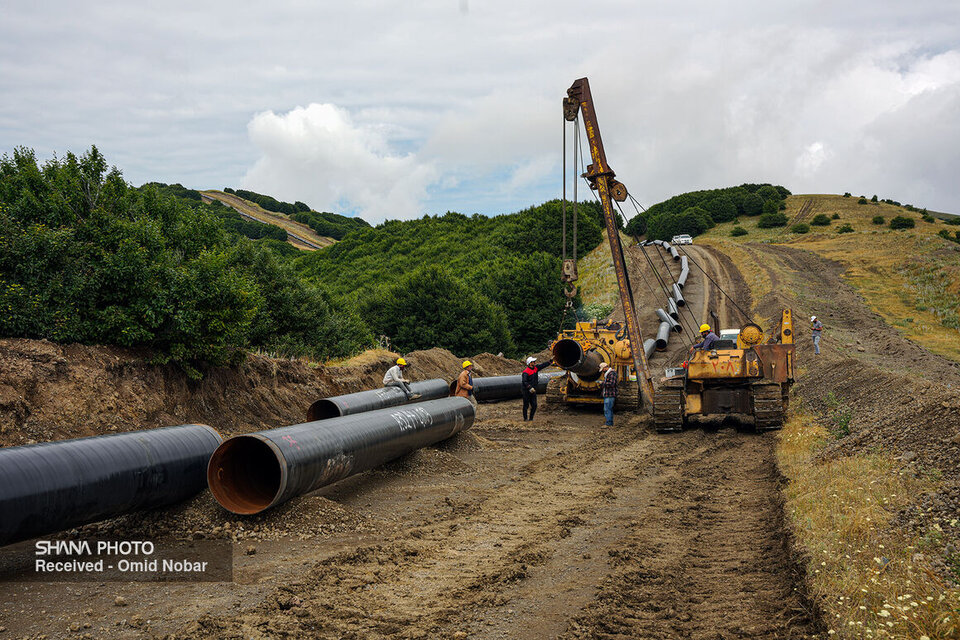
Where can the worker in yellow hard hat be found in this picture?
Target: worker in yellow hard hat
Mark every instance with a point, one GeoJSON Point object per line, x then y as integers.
{"type": "Point", "coordinates": [394, 378]}
{"type": "Point", "coordinates": [465, 383]}
{"type": "Point", "coordinates": [709, 338]}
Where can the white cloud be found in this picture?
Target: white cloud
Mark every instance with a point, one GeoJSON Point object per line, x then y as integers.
{"type": "Point", "coordinates": [320, 156]}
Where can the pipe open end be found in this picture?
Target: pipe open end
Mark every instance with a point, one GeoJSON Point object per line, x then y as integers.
{"type": "Point", "coordinates": [245, 475]}
{"type": "Point", "coordinates": [567, 353]}
{"type": "Point", "coordinates": [323, 410]}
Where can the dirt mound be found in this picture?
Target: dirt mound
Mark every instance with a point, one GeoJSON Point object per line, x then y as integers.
{"type": "Point", "coordinates": [487, 364]}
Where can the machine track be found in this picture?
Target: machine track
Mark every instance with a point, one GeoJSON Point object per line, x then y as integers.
{"type": "Point", "coordinates": [668, 408]}
{"type": "Point", "coordinates": [555, 391]}
{"type": "Point", "coordinates": [628, 397]}
{"type": "Point", "coordinates": [768, 406]}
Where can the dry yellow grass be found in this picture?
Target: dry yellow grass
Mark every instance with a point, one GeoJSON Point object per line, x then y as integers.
{"type": "Point", "coordinates": [879, 263]}
{"type": "Point", "coordinates": [597, 280]}
{"type": "Point", "coordinates": [871, 582]}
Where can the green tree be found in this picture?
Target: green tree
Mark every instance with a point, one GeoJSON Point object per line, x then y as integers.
{"type": "Point", "coordinates": [820, 220]}
{"type": "Point", "coordinates": [431, 308]}
{"type": "Point", "coordinates": [902, 222]}
{"type": "Point", "coordinates": [770, 220]}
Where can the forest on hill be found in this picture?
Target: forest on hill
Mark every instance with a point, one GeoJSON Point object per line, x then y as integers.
{"type": "Point", "coordinates": [696, 211]}
{"type": "Point", "coordinates": [85, 257]}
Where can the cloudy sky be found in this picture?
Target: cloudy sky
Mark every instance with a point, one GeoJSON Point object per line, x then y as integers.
{"type": "Point", "coordinates": [396, 109]}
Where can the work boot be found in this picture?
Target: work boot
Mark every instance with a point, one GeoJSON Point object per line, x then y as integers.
{"type": "Point", "coordinates": [416, 396]}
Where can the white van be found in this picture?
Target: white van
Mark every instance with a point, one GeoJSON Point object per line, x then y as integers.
{"type": "Point", "coordinates": [683, 238]}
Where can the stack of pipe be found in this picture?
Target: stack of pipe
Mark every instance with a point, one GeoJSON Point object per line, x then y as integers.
{"type": "Point", "coordinates": [53, 486]}
{"type": "Point", "coordinates": [250, 473]}
{"type": "Point", "coordinates": [373, 399]}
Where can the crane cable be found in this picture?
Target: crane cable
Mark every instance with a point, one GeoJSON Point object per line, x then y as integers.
{"type": "Point", "coordinates": [730, 298]}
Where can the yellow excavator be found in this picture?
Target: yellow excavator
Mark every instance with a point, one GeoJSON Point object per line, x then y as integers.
{"type": "Point", "coordinates": [742, 375]}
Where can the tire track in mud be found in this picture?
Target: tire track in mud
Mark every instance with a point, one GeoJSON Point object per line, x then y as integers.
{"type": "Point", "coordinates": [711, 558]}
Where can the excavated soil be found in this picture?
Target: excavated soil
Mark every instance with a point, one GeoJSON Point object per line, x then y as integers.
{"type": "Point", "coordinates": [555, 528]}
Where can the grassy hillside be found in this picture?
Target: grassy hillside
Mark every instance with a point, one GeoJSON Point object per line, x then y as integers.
{"type": "Point", "coordinates": [910, 277]}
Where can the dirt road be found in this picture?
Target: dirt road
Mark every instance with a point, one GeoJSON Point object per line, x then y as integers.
{"type": "Point", "coordinates": [560, 528]}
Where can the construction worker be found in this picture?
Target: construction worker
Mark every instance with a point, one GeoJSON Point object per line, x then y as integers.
{"type": "Point", "coordinates": [817, 327]}
{"type": "Point", "coordinates": [608, 389]}
{"type": "Point", "coordinates": [394, 378]}
{"type": "Point", "coordinates": [465, 384]}
{"type": "Point", "coordinates": [709, 338]}
{"type": "Point", "coordinates": [528, 385]}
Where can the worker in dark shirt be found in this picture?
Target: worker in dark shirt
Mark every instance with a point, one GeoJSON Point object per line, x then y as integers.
{"type": "Point", "coordinates": [528, 385]}
{"type": "Point", "coordinates": [709, 338]}
{"type": "Point", "coordinates": [608, 390]}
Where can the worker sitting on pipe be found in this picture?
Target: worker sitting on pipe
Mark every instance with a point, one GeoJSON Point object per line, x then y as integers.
{"type": "Point", "coordinates": [394, 378]}
{"type": "Point", "coordinates": [709, 338]}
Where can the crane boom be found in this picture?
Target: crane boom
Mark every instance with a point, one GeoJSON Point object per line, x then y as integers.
{"type": "Point", "coordinates": [601, 178]}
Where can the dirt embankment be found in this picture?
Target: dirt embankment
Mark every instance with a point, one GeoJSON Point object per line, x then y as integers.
{"type": "Point", "coordinates": [51, 392]}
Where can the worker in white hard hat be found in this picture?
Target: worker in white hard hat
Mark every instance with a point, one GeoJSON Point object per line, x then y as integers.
{"type": "Point", "coordinates": [394, 378]}
{"type": "Point", "coordinates": [529, 380]}
{"type": "Point", "coordinates": [817, 327]}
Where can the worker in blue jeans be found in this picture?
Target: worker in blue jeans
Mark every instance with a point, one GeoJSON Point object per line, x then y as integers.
{"type": "Point", "coordinates": [608, 389]}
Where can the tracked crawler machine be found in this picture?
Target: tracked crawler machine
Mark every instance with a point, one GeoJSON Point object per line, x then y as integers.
{"type": "Point", "coordinates": [742, 375]}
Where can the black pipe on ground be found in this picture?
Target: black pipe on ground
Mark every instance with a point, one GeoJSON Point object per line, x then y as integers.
{"type": "Point", "coordinates": [53, 486]}
{"type": "Point", "coordinates": [663, 336]}
{"type": "Point", "coordinates": [372, 399]}
{"type": "Point", "coordinates": [496, 388]}
{"type": "Point", "coordinates": [665, 317]}
{"type": "Point", "coordinates": [678, 296]}
{"type": "Point", "coordinates": [250, 473]}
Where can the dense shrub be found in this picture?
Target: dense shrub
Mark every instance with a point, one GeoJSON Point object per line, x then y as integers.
{"type": "Point", "coordinates": [926, 217]}
{"type": "Point", "coordinates": [329, 224]}
{"type": "Point", "coordinates": [86, 258]}
{"type": "Point", "coordinates": [430, 307]}
{"type": "Point", "coordinates": [878, 220]}
{"type": "Point", "coordinates": [874, 198]}
{"type": "Point", "coordinates": [738, 231]}
{"type": "Point", "coordinates": [820, 220]}
{"type": "Point", "coordinates": [696, 211]}
{"type": "Point", "coordinates": [800, 228]}
{"type": "Point", "coordinates": [902, 222]}
{"type": "Point", "coordinates": [952, 220]}
{"type": "Point", "coordinates": [846, 228]}
{"type": "Point", "coordinates": [846, 194]}
{"type": "Point", "coordinates": [771, 220]}
{"type": "Point", "coordinates": [513, 260]}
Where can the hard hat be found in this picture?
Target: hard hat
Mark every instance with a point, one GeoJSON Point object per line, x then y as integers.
{"type": "Point", "coordinates": [603, 365]}
{"type": "Point", "coordinates": [812, 318]}
{"type": "Point", "coordinates": [467, 363]}
{"type": "Point", "coordinates": [531, 359]}
{"type": "Point", "coordinates": [704, 327]}
{"type": "Point", "coordinates": [401, 362]}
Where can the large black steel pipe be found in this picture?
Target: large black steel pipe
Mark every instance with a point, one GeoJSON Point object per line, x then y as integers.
{"type": "Point", "coordinates": [372, 399]}
{"type": "Point", "coordinates": [663, 335]}
{"type": "Point", "coordinates": [678, 296]}
{"type": "Point", "coordinates": [495, 388]}
{"type": "Point", "coordinates": [253, 472]}
{"type": "Point", "coordinates": [53, 486]}
{"type": "Point", "coordinates": [569, 355]}
{"type": "Point", "coordinates": [665, 317]}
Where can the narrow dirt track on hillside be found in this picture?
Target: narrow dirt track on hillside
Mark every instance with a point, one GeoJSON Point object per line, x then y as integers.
{"type": "Point", "coordinates": [556, 528]}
